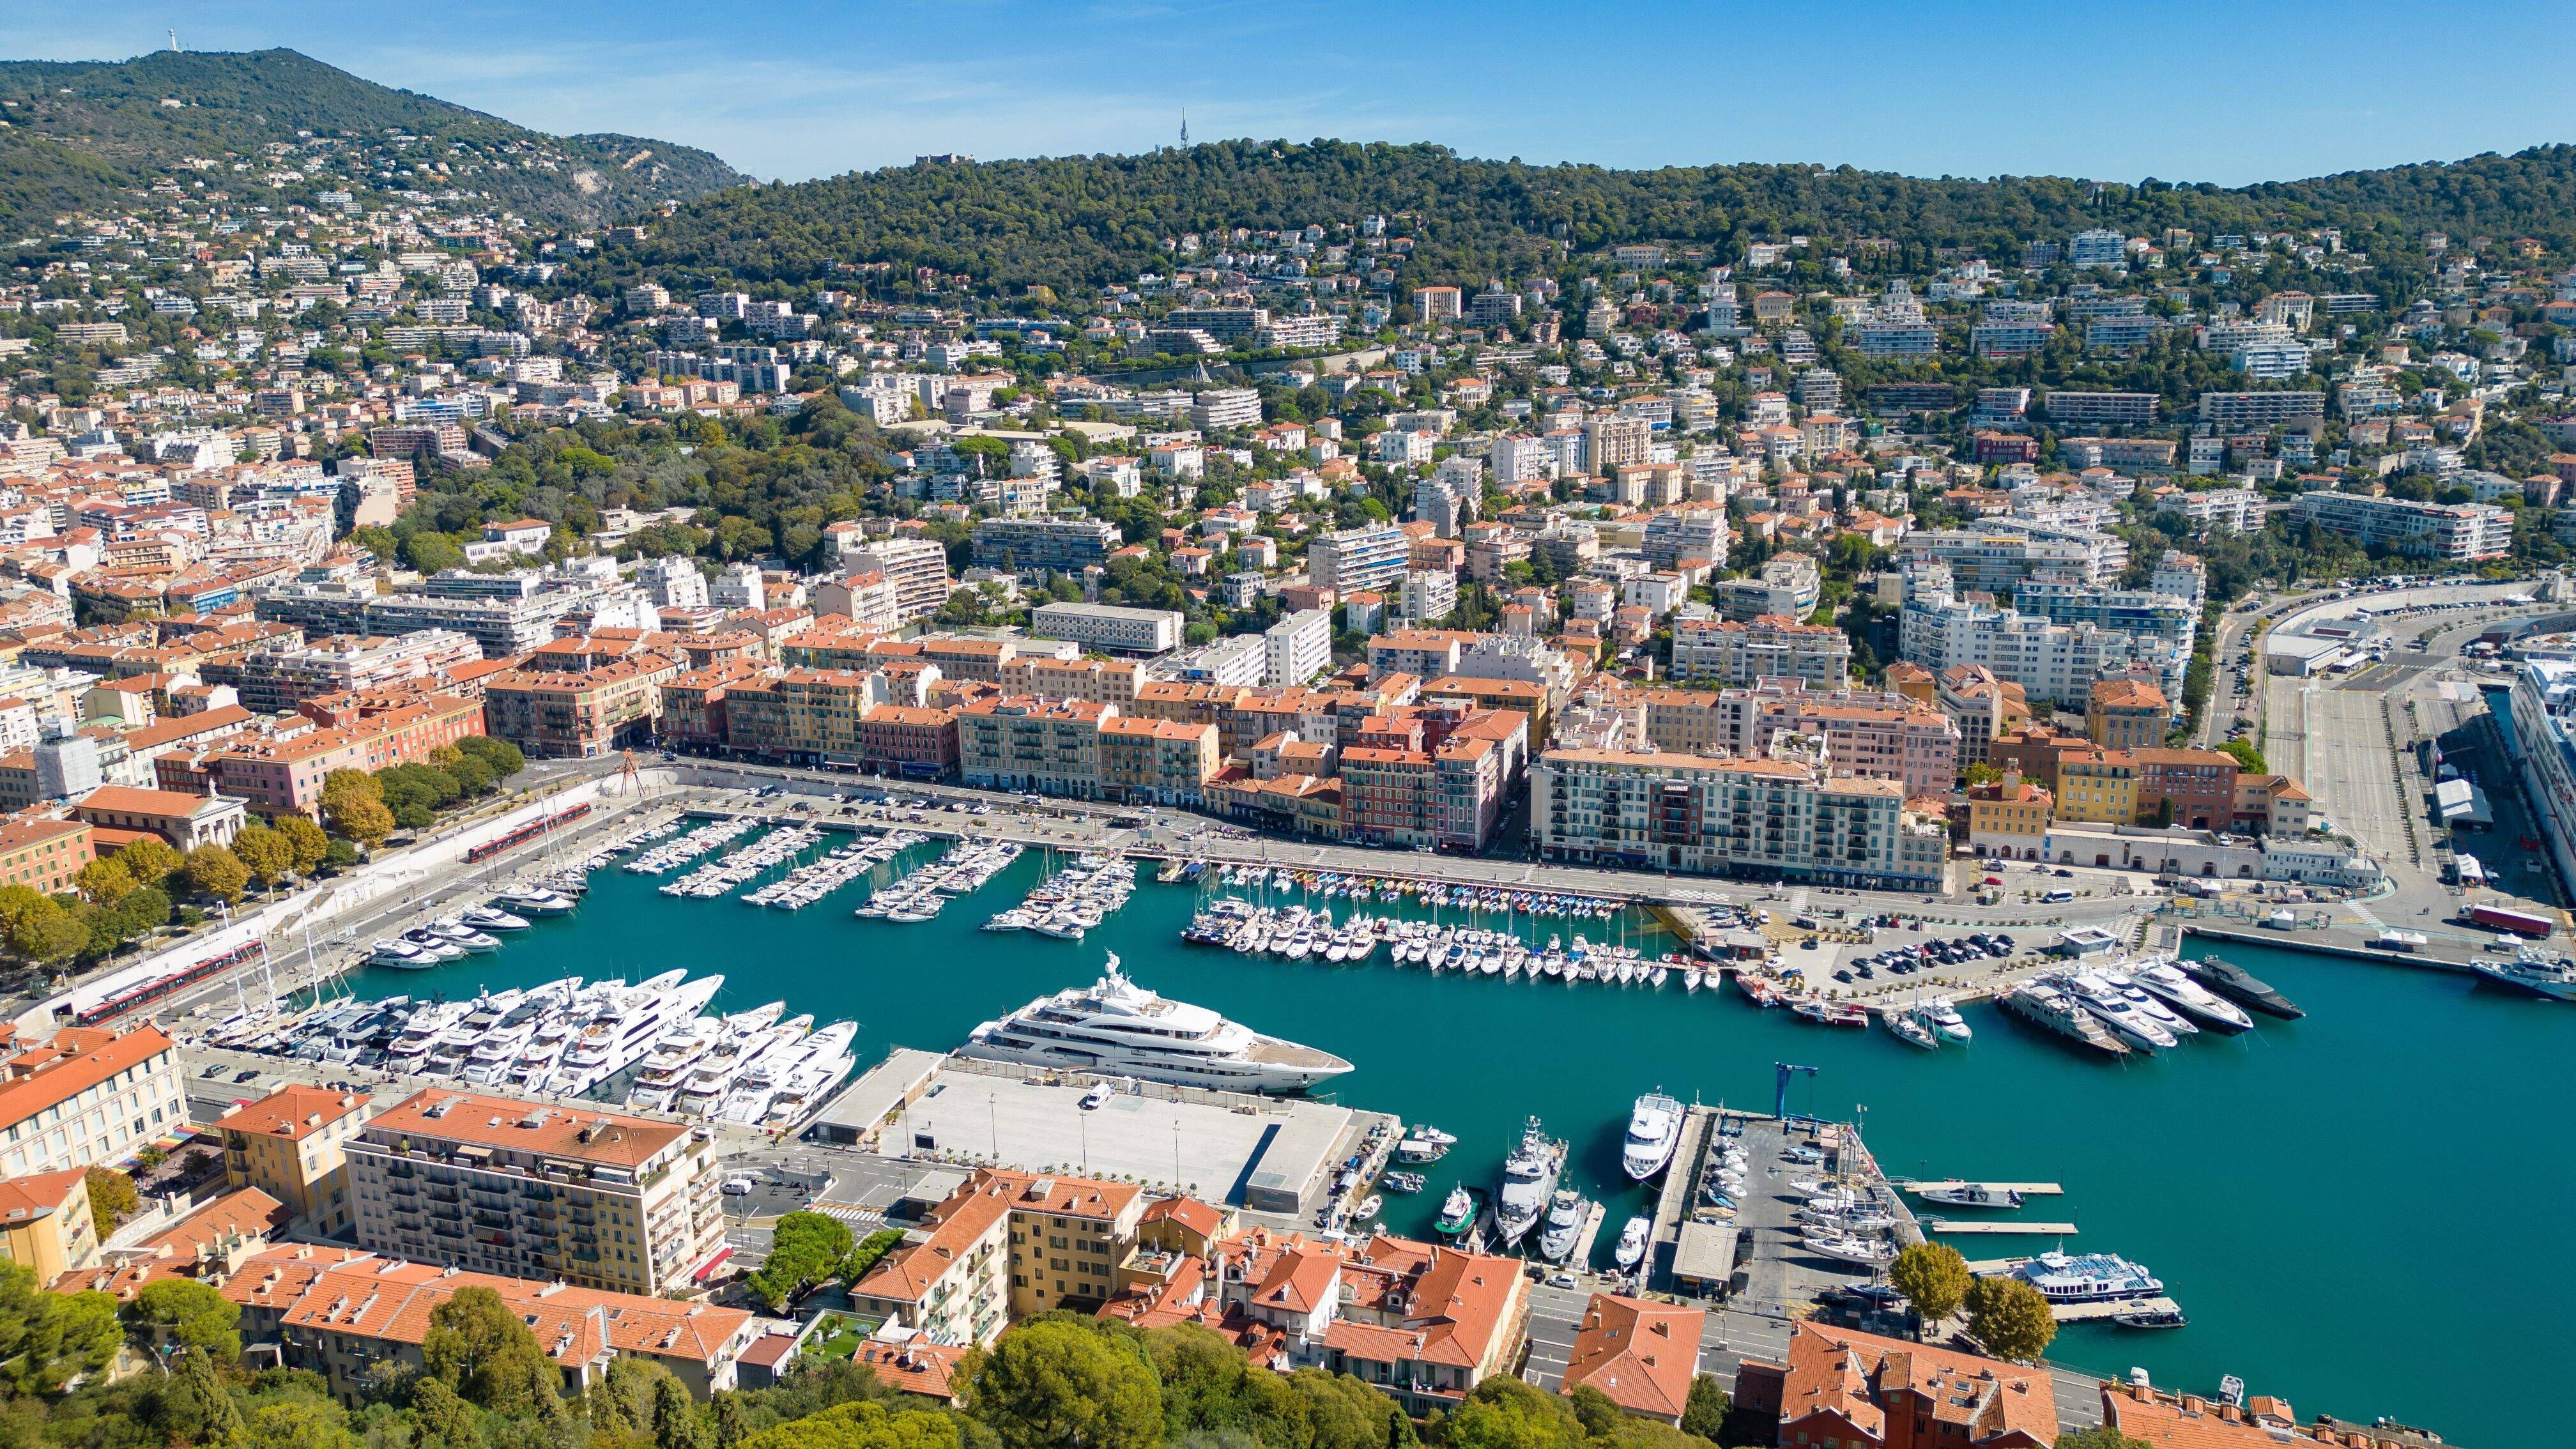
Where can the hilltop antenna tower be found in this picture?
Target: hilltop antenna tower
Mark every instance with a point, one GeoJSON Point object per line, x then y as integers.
{"type": "Point", "coordinates": [174, 39]}
{"type": "Point", "coordinates": [1185, 121]}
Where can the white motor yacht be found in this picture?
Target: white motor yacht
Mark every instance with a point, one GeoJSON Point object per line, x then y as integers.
{"type": "Point", "coordinates": [2149, 1006]}
{"type": "Point", "coordinates": [1654, 1130]}
{"type": "Point", "coordinates": [2117, 1012]}
{"type": "Point", "coordinates": [489, 918]}
{"type": "Point", "coordinates": [2191, 998]}
{"type": "Point", "coordinates": [397, 952]}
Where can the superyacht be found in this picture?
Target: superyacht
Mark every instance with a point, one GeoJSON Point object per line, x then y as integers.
{"type": "Point", "coordinates": [1115, 1027]}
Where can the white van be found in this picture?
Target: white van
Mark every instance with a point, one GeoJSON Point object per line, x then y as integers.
{"type": "Point", "coordinates": [738, 1186]}
{"type": "Point", "coordinates": [2057, 897]}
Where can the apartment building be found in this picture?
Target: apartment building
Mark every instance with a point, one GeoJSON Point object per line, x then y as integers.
{"type": "Point", "coordinates": [1770, 646]}
{"type": "Point", "coordinates": [1696, 531]}
{"type": "Point", "coordinates": [1152, 761]}
{"type": "Point", "coordinates": [2195, 789]}
{"type": "Point", "coordinates": [910, 740]}
{"type": "Point", "coordinates": [1770, 819]}
{"type": "Point", "coordinates": [1109, 628]}
{"type": "Point", "coordinates": [46, 1223]}
{"type": "Point", "coordinates": [1982, 706]}
{"type": "Point", "coordinates": [2077, 408]}
{"type": "Point", "coordinates": [1788, 586]}
{"type": "Point", "coordinates": [1611, 441]}
{"type": "Point", "coordinates": [284, 770]}
{"type": "Point", "coordinates": [272, 680]}
{"type": "Point", "coordinates": [88, 1096]}
{"type": "Point", "coordinates": [1640, 1354]}
{"type": "Point", "coordinates": [2009, 818]}
{"type": "Point", "coordinates": [801, 715]}
{"type": "Point", "coordinates": [1065, 545]}
{"type": "Point", "coordinates": [2100, 786]}
{"type": "Point", "coordinates": [917, 567]}
{"type": "Point", "coordinates": [357, 1317]}
{"type": "Point", "coordinates": [1875, 735]}
{"type": "Point", "coordinates": [2127, 714]}
{"type": "Point", "coordinates": [1993, 559]}
{"type": "Point", "coordinates": [1003, 1246]}
{"type": "Point", "coordinates": [1050, 747]}
{"type": "Point", "coordinates": [1104, 681]}
{"type": "Point", "coordinates": [2054, 662]}
{"type": "Point", "coordinates": [871, 602]}
{"type": "Point", "coordinates": [292, 1145]}
{"type": "Point", "coordinates": [2454, 532]}
{"type": "Point", "coordinates": [1859, 1389]}
{"type": "Point", "coordinates": [44, 855]}
{"type": "Point", "coordinates": [1358, 558]}
{"type": "Point", "coordinates": [1297, 648]}
{"type": "Point", "coordinates": [597, 1199]}
{"type": "Point", "coordinates": [567, 714]}
{"type": "Point", "coordinates": [2225, 410]}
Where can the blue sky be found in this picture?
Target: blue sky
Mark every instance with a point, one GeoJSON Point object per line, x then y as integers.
{"type": "Point", "coordinates": [2185, 90]}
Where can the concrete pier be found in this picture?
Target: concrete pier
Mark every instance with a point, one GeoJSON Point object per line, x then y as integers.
{"type": "Point", "coordinates": [1953, 1184]}
{"type": "Point", "coordinates": [1997, 1227]}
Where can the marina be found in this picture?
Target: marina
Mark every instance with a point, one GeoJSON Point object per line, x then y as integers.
{"type": "Point", "coordinates": [1424, 1050]}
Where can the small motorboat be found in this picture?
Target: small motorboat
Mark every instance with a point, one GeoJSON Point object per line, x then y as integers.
{"type": "Point", "coordinates": [1632, 1242]}
{"type": "Point", "coordinates": [2151, 1318]}
{"type": "Point", "coordinates": [1971, 1194]}
{"type": "Point", "coordinates": [1367, 1207]}
{"type": "Point", "coordinates": [1403, 1182]}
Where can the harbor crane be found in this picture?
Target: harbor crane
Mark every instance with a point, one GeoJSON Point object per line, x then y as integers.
{"type": "Point", "coordinates": [1781, 1073]}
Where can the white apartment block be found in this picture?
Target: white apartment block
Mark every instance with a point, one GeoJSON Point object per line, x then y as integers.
{"type": "Point", "coordinates": [1358, 558]}
{"type": "Point", "coordinates": [1109, 628]}
{"type": "Point", "coordinates": [1427, 595]}
{"type": "Point", "coordinates": [2240, 509]}
{"type": "Point", "coordinates": [1297, 648]}
{"type": "Point", "coordinates": [2461, 532]}
{"type": "Point", "coordinates": [1772, 819]}
{"type": "Point", "coordinates": [918, 568]}
{"type": "Point", "coordinates": [673, 582]}
{"type": "Point", "coordinates": [1726, 651]}
{"type": "Point", "coordinates": [1226, 407]}
{"type": "Point", "coordinates": [2051, 662]}
{"type": "Point", "coordinates": [1516, 459]}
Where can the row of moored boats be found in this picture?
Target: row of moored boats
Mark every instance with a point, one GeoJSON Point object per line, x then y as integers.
{"type": "Point", "coordinates": [923, 894]}
{"type": "Point", "coordinates": [1299, 933]}
{"type": "Point", "coordinates": [571, 1039]}
{"type": "Point", "coordinates": [1497, 900]}
{"type": "Point", "coordinates": [2149, 1005]}
{"type": "Point", "coordinates": [1074, 901]}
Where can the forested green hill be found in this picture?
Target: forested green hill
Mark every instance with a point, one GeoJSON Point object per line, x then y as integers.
{"type": "Point", "coordinates": [92, 135]}
{"type": "Point", "coordinates": [1089, 219]}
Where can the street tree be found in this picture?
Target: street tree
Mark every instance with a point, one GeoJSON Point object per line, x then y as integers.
{"type": "Point", "coordinates": [1933, 1277]}
{"type": "Point", "coordinates": [215, 872]}
{"type": "Point", "coordinates": [2010, 1318]}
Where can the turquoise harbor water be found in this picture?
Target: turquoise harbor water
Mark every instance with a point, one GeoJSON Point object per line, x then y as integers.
{"type": "Point", "coordinates": [2281, 1183]}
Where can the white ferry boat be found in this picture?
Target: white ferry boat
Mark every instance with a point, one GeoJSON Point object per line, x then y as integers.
{"type": "Point", "coordinates": [1116, 1028]}
{"type": "Point", "coordinates": [1654, 1130]}
{"type": "Point", "coordinates": [2088, 1278]}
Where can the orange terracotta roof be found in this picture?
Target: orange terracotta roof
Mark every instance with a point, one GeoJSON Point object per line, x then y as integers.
{"type": "Point", "coordinates": [295, 1112]}
{"type": "Point", "coordinates": [1643, 1355]}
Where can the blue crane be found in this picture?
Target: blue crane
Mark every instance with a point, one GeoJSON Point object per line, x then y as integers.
{"type": "Point", "coordinates": [1780, 1089]}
